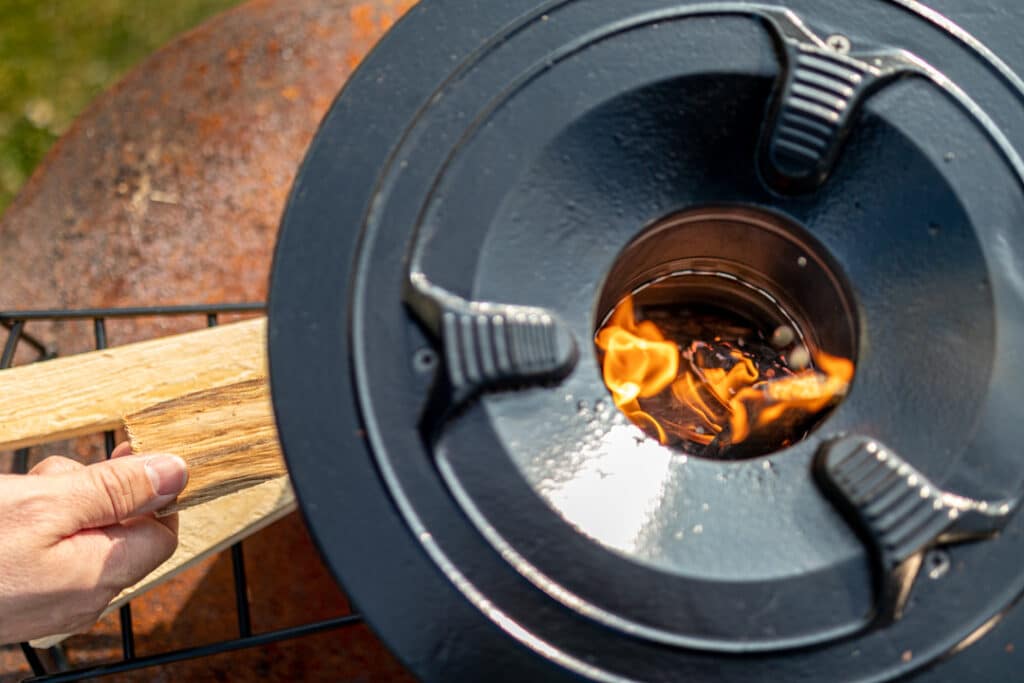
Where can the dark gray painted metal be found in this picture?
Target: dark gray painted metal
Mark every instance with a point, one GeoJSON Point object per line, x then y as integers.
{"type": "Point", "coordinates": [526, 144]}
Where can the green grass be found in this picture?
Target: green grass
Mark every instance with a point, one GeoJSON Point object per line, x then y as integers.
{"type": "Point", "coordinates": [57, 55]}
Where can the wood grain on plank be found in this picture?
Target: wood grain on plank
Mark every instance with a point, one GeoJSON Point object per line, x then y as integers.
{"type": "Point", "coordinates": [225, 434]}
{"type": "Point", "coordinates": [92, 392]}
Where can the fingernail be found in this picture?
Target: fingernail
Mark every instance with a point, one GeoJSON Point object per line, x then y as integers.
{"type": "Point", "coordinates": [167, 473]}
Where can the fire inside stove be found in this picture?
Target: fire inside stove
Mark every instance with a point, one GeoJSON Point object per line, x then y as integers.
{"type": "Point", "coordinates": [711, 381]}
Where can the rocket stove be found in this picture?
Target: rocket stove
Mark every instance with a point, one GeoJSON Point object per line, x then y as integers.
{"type": "Point", "coordinates": [667, 340]}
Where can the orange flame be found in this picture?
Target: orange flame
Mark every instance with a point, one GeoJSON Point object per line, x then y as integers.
{"type": "Point", "coordinates": [707, 402]}
{"type": "Point", "coordinates": [638, 363]}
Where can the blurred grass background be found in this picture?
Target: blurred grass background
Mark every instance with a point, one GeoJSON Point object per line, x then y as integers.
{"type": "Point", "coordinates": [57, 55]}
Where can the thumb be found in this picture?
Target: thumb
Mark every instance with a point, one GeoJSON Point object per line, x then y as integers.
{"type": "Point", "coordinates": [109, 492]}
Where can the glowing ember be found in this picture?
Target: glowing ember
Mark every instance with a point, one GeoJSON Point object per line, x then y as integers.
{"type": "Point", "coordinates": [711, 394]}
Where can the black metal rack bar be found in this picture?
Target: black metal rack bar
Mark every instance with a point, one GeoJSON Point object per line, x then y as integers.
{"type": "Point", "coordinates": [201, 651]}
{"type": "Point", "coordinates": [9, 323]}
{"type": "Point", "coordinates": [132, 311]}
{"type": "Point", "coordinates": [16, 322]}
{"type": "Point", "coordinates": [241, 591]}
{"type": "Point", "coordinates": [20, 465]}
{"type": "Point", "coordinates": [33, 659]}
{"type": "Point", "coordinates": [13, 336]}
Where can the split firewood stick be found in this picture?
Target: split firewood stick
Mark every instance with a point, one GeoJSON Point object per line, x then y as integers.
{"type": "Point", "coordinates": [201, 395]}
{"type": "Point", "coordinates": [92, 392]}
{"type": "Point", "coordinates": [225, 434]}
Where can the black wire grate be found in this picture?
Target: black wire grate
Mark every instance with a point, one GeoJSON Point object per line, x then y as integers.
{"type": "Point", "coordinates": [16, 323]}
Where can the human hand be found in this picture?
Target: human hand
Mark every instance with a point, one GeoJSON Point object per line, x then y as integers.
{"type": "Point", "coordinates": [73, 536]}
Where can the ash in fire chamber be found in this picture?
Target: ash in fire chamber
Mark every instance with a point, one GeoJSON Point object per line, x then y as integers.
{"type": "Point", "coordinates": [715, 367]}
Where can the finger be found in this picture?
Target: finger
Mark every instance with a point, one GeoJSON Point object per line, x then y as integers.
{"type": "Point", "coordinates": [127, 552]}
{"type": "Point", "coordinates": [56, 464]}
{"type": "Point", "coordinates": [169, 521]}
{"type": "Point", "coordinates": [110, 492]}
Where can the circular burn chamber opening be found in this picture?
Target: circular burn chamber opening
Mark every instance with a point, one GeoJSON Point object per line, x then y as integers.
{"type": "Point", "coordinates": [726, 333]}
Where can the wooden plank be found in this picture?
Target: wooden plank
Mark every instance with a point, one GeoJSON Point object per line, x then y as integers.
{"type": "Point", "coordinates": [92, 392]}
{"type": "Point", "coordinates": [225, 434]}
{"type": "Point", "coordinates": [209, 528]}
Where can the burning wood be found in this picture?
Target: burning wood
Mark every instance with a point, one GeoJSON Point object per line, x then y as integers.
{"type": "Point", "coordinates": [715, 386]}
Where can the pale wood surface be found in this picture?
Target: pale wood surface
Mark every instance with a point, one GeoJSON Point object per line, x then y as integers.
{"type": "Point", "coordinates": [92, 392]}
{"type": "Point", "coordinates": [209, 528]}
{"type": "Point", "coordinates": [225, 434]}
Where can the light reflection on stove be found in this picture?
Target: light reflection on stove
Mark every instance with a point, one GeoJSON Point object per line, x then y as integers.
{"type": "Point", "coordinates": [616, 487]}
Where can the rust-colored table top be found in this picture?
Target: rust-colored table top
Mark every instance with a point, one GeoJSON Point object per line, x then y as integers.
{"type": "Point", "coordinates": [168, 190]}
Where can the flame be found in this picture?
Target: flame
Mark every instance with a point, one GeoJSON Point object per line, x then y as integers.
{"type": "Point", "coordinates": [638, 363]}
{"type": "Point", "coordinates": [806, 392]}
{"type": "Point", "coordinates": [710, 392]}
{"type": "Point", "coordinates": [719, 393]}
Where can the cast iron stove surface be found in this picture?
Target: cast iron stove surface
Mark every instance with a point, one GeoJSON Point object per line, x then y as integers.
{"type": "Point", "coordinates": [443, 414]}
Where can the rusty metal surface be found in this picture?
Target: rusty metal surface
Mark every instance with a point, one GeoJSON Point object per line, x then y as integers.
{"type": "Point", "coordinates": [168, 189]}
